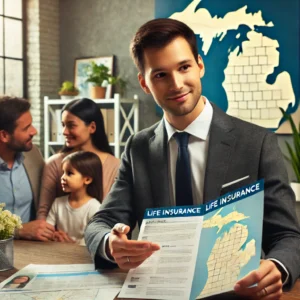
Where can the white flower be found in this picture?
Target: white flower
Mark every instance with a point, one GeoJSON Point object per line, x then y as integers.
{"type": "Point", "coordinates": [8, 223]}
{"type": "Point", "coordinates": [7, 213]}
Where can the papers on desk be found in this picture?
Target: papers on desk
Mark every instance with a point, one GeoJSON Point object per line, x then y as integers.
{"type": "Point", "coordinates": [57, 281]}
{"type": "Point", "coordinates": [93, 294]}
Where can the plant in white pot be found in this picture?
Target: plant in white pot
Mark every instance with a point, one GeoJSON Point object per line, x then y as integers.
{"type": "Point", "coordinates": [68, 90]}
{"type": "Point", "coordinates": [294, 153]}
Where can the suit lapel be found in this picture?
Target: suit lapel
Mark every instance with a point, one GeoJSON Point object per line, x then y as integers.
{"type": "Point", "coordinates": [221, 145]}
{"type": "Point", "coordinates": [158, 166]}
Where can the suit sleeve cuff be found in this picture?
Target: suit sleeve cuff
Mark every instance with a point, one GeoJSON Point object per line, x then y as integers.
{"type": "Point", "coordinates": [102, 249]}
{"type": "Point", "coordinates": [284, 272]}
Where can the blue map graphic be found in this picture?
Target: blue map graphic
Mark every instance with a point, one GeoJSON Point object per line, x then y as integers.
{"type": "Point", "coordinates": [275, 64]}
{"type": "Point", "coordinates": [254, 214]}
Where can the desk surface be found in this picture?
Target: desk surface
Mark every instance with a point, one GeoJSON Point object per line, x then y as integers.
{"type": "Point", "coordinates": [28, 252]}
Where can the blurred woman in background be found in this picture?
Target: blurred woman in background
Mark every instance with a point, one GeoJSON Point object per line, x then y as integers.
{"type": "Point", "coordinates": [83, 128]}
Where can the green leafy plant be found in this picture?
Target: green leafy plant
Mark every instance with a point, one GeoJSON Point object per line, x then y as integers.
{"type": "Point", "coordinates": [8, 223]}
{"type": "Point", "coordinates": [68, 88]}
{"type": "Point", "coordinates": [120, 83]}
{"type": "Point", "coordinates": [294, 152]}
{"type": "Point", "coordinates": [99, 75]}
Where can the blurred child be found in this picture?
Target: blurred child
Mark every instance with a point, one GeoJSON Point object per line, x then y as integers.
{"type": "Point", "coordinates": [82, 179]}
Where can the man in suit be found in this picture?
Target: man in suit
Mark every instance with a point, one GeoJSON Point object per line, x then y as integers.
{"type": "Point", "coordinates": [222, 149]}
{"type": "Point", "coordinates": [21, 166]}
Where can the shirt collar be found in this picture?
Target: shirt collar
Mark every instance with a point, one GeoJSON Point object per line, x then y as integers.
{"type": "Point", "coordinates": [199, 127]}
{"type": "Point", "coordinates": [18, 161]}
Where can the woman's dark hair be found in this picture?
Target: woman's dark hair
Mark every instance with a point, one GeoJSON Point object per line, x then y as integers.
{"type": "Point", "coordinates": [88, 111]}
{"type": "Point", "coordinates": [158, 33]}
{"type": "Point", "coordinates": [88, 164]}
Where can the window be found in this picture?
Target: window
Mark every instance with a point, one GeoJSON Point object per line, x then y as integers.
{"type": "Point", "coordinates": [11, 48]}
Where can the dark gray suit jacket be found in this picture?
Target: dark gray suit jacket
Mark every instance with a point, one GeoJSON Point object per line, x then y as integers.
{"type": "Point", "coordinates": [236, 149]}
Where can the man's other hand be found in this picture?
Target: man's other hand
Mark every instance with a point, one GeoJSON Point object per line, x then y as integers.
{"type": "Point", "coordinates": [266, 280]}
{"type": "Point", "coordinates": [126, 253]}
{"type": "Point", "coordinates": [38, 230]}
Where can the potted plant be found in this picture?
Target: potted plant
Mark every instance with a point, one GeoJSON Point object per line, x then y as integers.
{"type": "Point", "coordinates": [294, 153]}
{"type": "Point", "coordinates": [100, 77]}
{"type": "Point", "coordinates": [8, 223]}
{"type": "Point", "coordinates": [68, 90]}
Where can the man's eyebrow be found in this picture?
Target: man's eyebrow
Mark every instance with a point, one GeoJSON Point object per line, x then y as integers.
{"type": "Point", "coordinates": [155, 70]}
{"type": "Point", "coordinates": [26, 127]}
{"type": "Point", "coordinates": [186, 61]}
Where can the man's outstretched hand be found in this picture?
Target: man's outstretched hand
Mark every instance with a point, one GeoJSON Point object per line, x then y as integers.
{"type": "Point", "coordinates": [126, 253]}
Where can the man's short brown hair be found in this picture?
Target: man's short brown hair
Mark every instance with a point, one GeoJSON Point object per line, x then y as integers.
{"type": "Point", "coordinates": [11, 108]}
{"type": "Point", "coordinates": [158, 33]}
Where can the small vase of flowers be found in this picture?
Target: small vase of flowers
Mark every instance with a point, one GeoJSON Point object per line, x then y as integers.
{"type": "Point", "coordinates": [8, 223]}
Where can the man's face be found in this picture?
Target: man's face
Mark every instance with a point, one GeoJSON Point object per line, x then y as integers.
{"type": "Point", "coordinates": [21, 139]}
{"type": "Point", "coordinates": [172, 76]}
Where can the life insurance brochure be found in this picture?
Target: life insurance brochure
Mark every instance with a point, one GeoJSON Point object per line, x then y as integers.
{"type": "Point", "coordinates": [169, 272]}
{"type": "Point", "coordinates": [205, 249]}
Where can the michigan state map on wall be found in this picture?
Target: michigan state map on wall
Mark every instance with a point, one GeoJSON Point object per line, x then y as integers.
{"type": "Point", "coordinates": [251, 63]}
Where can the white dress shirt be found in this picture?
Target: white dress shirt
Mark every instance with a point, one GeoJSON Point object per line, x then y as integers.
{"type": "Point", "coordinates": [197, 148]}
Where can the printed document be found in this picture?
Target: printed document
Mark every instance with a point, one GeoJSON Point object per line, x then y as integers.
{"type": "Point", "coordinates": [62, 279]}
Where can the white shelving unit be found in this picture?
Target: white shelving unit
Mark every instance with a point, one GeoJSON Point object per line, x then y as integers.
{"type": "Point", "coordinates": [123, 119]}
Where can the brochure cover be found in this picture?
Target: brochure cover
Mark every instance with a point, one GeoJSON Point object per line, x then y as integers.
{"type": "Point", "coordinates": [205, 249]}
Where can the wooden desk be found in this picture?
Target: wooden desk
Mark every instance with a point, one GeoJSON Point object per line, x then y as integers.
{"type": "Point", "coordinates": [28, 252]}
{"type": "Point", "coordinates": [294, 293]}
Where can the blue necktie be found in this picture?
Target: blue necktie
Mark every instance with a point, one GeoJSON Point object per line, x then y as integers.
{"type": "Point", "coordinates": [183, 182]}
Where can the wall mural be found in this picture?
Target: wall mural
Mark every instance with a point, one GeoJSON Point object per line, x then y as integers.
{"type": "Point", "coordinates": [251, 54]}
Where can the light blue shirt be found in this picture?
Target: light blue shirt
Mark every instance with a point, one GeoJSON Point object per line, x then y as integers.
{"type": "Point", "coordinates": [15, 188]}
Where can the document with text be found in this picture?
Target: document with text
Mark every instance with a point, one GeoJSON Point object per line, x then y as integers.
{"type": "Point", "coordinates": [80, 279]}
{"type": "Point", "coordinates": [205, 249]}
